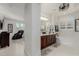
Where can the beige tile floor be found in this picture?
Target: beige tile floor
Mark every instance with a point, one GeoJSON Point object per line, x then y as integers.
{"type": "Point", "coordinates": [17, 49]}
{"type": "Point", "coordinates": [61, 50]}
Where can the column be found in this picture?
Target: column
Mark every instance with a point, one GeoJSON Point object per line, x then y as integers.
{"type": "Point", "coordinates": [32, 29]}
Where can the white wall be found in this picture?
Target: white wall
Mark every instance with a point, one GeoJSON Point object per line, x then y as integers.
{"type": "Point", "coordinates": [15, 29]}
{"type": "Point", "coordinates": [68, 36]}
{"type": "Point", "coordinates": [13, 12]}
{"type": "Point", "coordinates": [14, 22]}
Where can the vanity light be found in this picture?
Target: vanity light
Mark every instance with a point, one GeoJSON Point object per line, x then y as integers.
{"type": "Point", "coordinates": [44, 18]}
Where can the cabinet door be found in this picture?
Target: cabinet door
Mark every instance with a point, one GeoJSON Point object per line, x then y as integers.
{"type": "Point", "coordinates": [48, 40]}
{"type": "Point", "coordinates": [53, 38]}
{"type": "Point", "coordinates": [43, 42]}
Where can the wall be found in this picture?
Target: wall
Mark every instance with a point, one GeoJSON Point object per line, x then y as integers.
{"type": "Point", "coordinates": [14, 22]}
{"type": "Point", "coordinates": [14, 13]}
{"type": "Point", "coordinates": [68, 36]}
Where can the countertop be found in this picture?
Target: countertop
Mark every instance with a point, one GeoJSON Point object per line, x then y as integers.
{"type": "Point", "coordinates": [47, 34]}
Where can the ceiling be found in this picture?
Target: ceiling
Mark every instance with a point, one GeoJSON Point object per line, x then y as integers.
{"type": "Point", "coordinates": [12, 10]}
{"type": "Point", "coordinates": [53, 9]}
{"type": "Point", "coordinates": [16, 10]}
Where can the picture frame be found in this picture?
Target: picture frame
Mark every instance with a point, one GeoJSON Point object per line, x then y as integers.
{"type": "Point", "coordinates": [10, 28]}
{"type": "Point", "coordinates": [62, 26]}
{"type": "Point", "coordinates": [69, 26]}
{"type": "Point", "coordinates": [76, 25]}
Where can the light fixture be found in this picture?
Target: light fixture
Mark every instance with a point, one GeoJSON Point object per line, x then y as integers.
{"type": "Point", "coordinates": [44, 18]}
{"type": "Point", "coordinates": [64, 6]}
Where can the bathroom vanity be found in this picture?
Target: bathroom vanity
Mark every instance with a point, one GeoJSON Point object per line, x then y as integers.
{"type": "Point", "coordinates": [47, 40]}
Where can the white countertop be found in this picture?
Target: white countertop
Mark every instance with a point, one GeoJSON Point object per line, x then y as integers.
{"type": "Point", "coordinates": [48, 34]}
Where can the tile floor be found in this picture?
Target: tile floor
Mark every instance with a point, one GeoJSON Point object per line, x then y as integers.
{"type": "Point", "coordinates": [61, 50]}
{"type": "Point", "coordinates": [17, 49]}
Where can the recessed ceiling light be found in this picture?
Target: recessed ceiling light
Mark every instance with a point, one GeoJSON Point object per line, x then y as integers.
{"type": "Point", "coordinates": [44, 18]}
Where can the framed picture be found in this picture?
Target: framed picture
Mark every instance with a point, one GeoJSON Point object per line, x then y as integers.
{"type": "Point", "coordinates": [62, 26]}
{"type": "Point", "coordinates": [69, 26]}
{"type": "Point", "coordinates": [10, 28]}
{"type": "Point", "coordinates": [76, 25]}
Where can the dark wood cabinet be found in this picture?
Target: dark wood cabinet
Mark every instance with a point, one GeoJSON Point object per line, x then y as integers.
{"type": "Point", "coordinates": [4, 39]}
{"type": "Point", "coordinates": [47, 40]}
{"type": "Point", "coordinates": [43, 42]}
